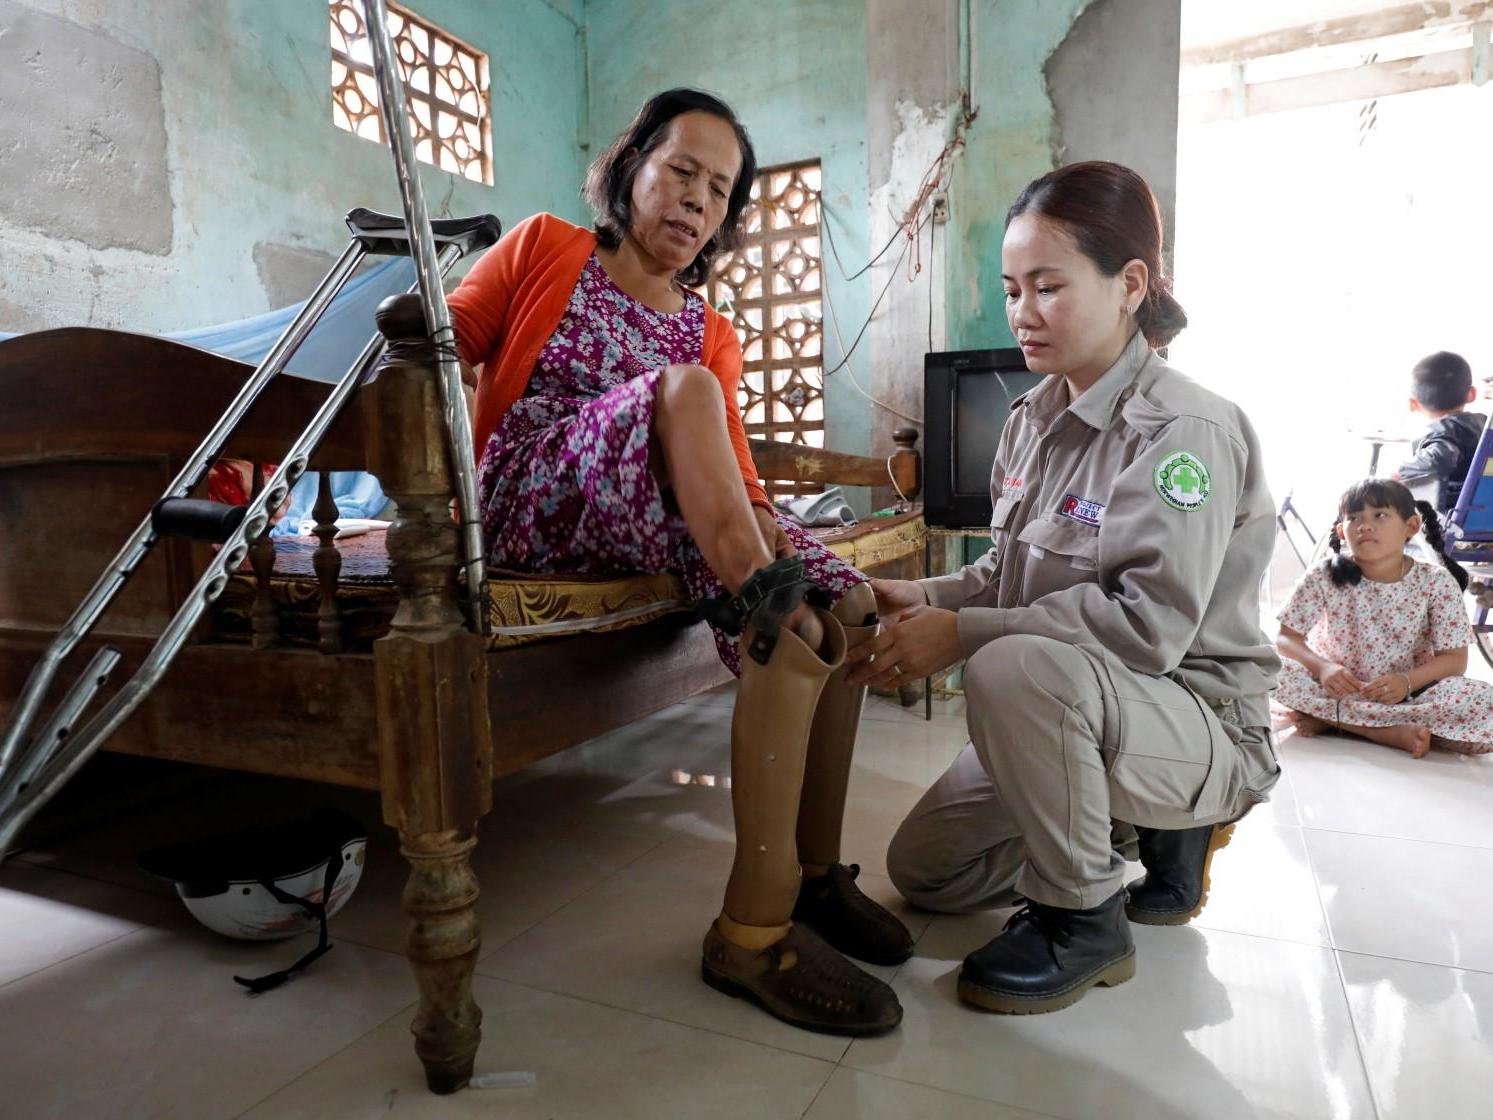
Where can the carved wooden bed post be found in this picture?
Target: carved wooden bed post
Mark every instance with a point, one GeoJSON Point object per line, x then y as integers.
{"type": "Point", "coordinates": [435, 751]}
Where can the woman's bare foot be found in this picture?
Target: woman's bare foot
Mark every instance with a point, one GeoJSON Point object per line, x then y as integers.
{"type": "Point", "coordinates": [1306, 726]}
{"type": "Point", "coordinates": [1410, 737]}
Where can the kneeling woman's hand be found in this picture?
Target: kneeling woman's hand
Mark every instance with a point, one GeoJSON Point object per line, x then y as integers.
{"type": "Point", "coordinates": [923, 641]}
{"type": "Point", "coordinates": [894, 596]}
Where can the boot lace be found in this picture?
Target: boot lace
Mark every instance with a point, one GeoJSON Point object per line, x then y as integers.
{"type": "Point", "coordinates": [1054, 931]}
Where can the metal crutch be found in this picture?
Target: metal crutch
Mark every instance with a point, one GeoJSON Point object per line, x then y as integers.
{"type": "Point", "coordinates": [437, 314]}
{"type": "Point", "coordinates": [36, 769]}
{"type": "Point", "coordinates": [144, 537]}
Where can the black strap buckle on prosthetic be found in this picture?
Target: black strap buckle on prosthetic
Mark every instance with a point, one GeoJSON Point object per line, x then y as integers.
{"type": "Point", "coordinates": [769, 596]}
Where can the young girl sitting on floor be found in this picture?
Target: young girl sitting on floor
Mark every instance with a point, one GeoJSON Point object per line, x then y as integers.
{"type": "Point", "coordinates": [1375, 643]}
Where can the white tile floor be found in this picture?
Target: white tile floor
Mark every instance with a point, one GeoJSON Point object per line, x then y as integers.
{"type": "Point", "coordinates": [1344, 967]}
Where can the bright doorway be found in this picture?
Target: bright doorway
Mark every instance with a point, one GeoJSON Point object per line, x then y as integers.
{"type": "Point", "coordinates": [1335, 170]}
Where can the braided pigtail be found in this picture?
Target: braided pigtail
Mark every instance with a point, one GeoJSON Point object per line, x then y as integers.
{"type": "Point", "coordinates": [1343, 570]}
{"type": "Point", "coordinates": [1431, 527]}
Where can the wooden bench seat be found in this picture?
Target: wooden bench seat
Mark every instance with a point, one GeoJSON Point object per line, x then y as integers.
{"type": "Point", "coordinates": [523, 608]}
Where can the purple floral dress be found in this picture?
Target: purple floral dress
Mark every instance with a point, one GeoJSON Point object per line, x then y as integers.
{"type": "Point", "coordinates": [565, 480]}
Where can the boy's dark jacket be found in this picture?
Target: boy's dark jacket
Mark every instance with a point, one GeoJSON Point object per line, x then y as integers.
{"type": "Point", "coordinates": [1444, 452]}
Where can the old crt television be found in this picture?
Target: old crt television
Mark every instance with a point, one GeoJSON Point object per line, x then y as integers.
{"type": "Point", "coordinates": [967, 397]}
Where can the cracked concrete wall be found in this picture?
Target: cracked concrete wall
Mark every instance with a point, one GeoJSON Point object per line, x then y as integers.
{"type": "Point", "coordinates": [81, 114]}
{"type": "Point", "coordinates": [1008, 145]}
{"type": "Point", "coordinates": [289, 273]}
{"type": "Point", "coordinates": [220, 140]}
{"type": "Point", "coordinates": [1111, 65]}
{"type": "Point", "coordinates": [912, 59]}
{"type": "Point", "coordinates": [1113, 87]}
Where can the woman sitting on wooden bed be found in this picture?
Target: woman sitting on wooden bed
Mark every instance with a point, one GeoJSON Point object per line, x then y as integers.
{"type": "Point", "coordinates": [609, 440]}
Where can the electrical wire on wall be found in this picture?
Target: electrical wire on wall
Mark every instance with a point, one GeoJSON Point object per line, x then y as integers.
{"type": "Point", "coordinates": [845, 352]}
{"type": "Point", "coordinates": [932, 234]}
{"type": "Point", "coordinates": [919, 213]}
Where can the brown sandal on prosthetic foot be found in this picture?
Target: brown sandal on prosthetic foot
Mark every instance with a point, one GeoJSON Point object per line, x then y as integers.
{"type": "Point", "coordinates": [802, 981]}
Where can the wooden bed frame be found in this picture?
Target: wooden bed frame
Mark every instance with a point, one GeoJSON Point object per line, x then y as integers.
{"type": "Point", "coordinates": [94, 426]}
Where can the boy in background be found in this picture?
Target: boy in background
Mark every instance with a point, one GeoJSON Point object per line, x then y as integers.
{"type": "Point", "coordinates": [1441, 389]}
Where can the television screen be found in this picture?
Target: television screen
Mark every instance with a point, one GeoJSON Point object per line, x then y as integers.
{"type": "Point", "coordinates": [981, 414]}
{"type": "Point", "coordinates": [967, 399]}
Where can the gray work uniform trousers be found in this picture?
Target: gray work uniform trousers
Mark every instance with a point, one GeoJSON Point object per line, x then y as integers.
{"type": "Point", "coordinates": [1064, 741]}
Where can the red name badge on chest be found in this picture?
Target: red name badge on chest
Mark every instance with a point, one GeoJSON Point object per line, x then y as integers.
{"type": "Point", "coordinates": [1082, 509]}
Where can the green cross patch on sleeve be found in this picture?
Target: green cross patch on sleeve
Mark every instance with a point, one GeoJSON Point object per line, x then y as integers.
{"type": "Point", "coordinates": [1183, 481]}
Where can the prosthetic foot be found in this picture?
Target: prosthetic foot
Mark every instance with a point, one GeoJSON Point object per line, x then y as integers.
{"type": "Point", "coordinates": [1047, 958]}
{"type": "Point", "coordinates": [787, 970]}
{"type": "Point", "coordinates": [831, 902]}
{"type": "Point", "coordinates": [1174, 889]}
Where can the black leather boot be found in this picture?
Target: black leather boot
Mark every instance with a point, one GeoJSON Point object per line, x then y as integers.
{"type": "Point", "coordinates": [1047, 958]}
{"type": "Point", "coordinates": [1174, 889]}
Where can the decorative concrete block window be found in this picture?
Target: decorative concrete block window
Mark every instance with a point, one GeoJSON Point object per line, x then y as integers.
{"type": "Point", "coordinates": [772, 288]}
{"type": "Point", "coordinates": [445, 85]}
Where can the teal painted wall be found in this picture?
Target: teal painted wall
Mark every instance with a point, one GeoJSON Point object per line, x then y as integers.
{"type": "Point", "coordinates": [795, 71]}
{"type": "Point", "coordinates": [273, 101]}
{"type": "Point", "coordinates": [536, 57]}
{"type": "Point", "coordinates": [253, 156]}
{"type": "Point", "coordinates": [1008, 146]}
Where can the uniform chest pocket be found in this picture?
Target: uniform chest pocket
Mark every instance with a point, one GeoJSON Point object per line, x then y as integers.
{"type": "Point", "coordinates": [1074, 541]}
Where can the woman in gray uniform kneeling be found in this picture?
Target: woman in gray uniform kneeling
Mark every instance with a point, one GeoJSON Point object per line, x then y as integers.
{"type": "Point", "coordinates": [1117, 673]}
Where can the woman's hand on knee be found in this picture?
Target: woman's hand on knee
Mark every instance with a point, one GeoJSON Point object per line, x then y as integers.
{"type": "Point", "coordinates": [772, 533]}
{"type": "Point", "coordinates": [924, 641]}
{"type": "Point", "coordinates": [893, 596]}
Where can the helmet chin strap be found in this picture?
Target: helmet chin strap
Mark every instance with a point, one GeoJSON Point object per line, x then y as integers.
{"type": "Point", "coordinates": [317, 910]}
{"type": "Point", "coordinates": [765, 600]}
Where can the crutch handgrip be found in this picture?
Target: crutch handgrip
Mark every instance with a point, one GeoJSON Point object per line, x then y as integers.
{"type": "Point", "coordinates": [387, 234]}
{"type": "Point", "coordinates": [194, 519]}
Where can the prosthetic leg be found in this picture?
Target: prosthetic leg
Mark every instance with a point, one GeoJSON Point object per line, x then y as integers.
{"type": "Point", "coordinates": [769, 743]}
{"type": "Point", "coordinates": [754, 950]}
{"type": "Point", "coordinates": [829, 901]}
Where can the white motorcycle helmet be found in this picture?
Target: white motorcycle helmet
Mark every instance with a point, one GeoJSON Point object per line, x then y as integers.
{"type": "Point", "coordinates": [268, 883]}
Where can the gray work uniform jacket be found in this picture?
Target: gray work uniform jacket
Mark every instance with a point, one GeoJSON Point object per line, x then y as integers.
{"type": "Point", "coordinates": [1135, 518]}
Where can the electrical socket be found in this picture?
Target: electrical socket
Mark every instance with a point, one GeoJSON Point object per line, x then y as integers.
{"type": "Point", "coordinates": [940, 203]}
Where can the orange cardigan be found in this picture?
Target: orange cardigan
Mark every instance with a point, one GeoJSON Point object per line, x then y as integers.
{"type": "Point", "coordinates": [509, 305]}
